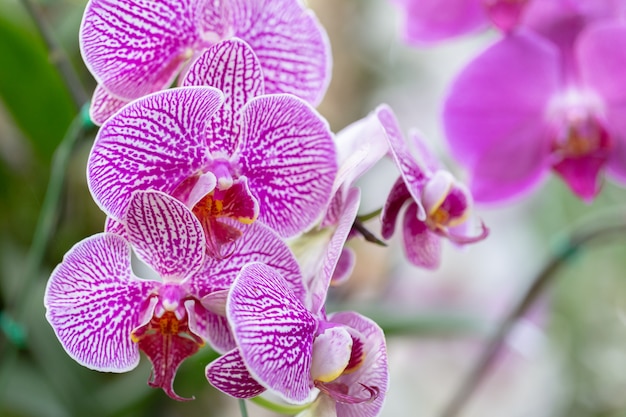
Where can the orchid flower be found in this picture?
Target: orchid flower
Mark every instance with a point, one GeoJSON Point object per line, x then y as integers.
{"type": "Point", "coordinates": [431, 21]}
{"type": "Point", "coordinates": [134, 48]}
{"type": "Point", "coordinates": [438, 205]}
{"type": "Point", "coordinates": [241, 155]}
{"type": "Point", "coordinates": [530, 104]}
{"type": "Point", "coordinates": [299, 355]}
{"type": "Point", "coordinates": [103, 314]}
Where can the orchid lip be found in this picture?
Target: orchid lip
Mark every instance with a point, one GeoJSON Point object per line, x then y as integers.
{"type": "Point", "coordinates": [464, 240]}
{"type": "Point", "coordinates": [338, 392]}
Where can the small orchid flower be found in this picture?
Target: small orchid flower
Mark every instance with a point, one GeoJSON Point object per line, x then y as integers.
{"type": "Point", "coordinates": [296, 354]}
{"type": "Point", "coordinates": [241, 155]}
{"type": "Point", "coordinates": [438, 205]}
{"type": "Point", "coordinates": [104, 315]}
{"type": "Point", "coordinates": [527, 105]}
{"type": "Point", "coordinates": [134, 48]}
{"type": "Point", "coordinates": [430, 21]}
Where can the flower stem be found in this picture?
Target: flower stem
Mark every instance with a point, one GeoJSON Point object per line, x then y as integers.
{"type": "Point", "coordinates": [367, 235]}
{"type": "Point", "coordinates": [243, 408]}
{"type": "Point", "coordinates": [369, 216]}
{"type": "Point", "coordinates": [279, 408]}
{"type": "Point", "coordinates": [572, 246]}
{"type": "Point", "coordinates": [57, 56]}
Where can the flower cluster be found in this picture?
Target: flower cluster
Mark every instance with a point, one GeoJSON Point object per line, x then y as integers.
{"type": "Point", "coordinates": [217, 174]}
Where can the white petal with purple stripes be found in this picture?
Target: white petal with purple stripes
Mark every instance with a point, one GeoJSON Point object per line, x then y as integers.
{"type": "Point", "coordinates": [135, 47]}
{"type": "Point", "coordinates": [274, 332]}
{"type": "Point", "coordinates": [165, 235]}
{"type": "Point", "coordinates": [291, 45]}
{"type": "Point", "coordinates": [153, 143]}
{"type": "Point", "coordinates": [229, 374]}
{"type": "Point", "coordinates": [93, 303]}
{"type": "Point", "coordinates": [288, 154]}
{"type": "Point", "coordinates": [232, 67]}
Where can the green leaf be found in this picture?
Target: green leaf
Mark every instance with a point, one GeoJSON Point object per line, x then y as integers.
{"type": "Point", "coordinates": [32, 89]}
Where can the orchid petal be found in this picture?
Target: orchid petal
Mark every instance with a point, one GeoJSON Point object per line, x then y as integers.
{"type": "Point", "coordinates": [153, 143]}
{"type": "Point", "coordinates": [422, 247]}
{"type": "Point", "coordinates": [398, 195]}
{"type": "Point", "coordinates": [274, 331]}
{"type": "Point", "coordinates": [113, 226]}
{"type": "Point", "coordinates": [323, 406]}
{"type": "Point", "coordinates": [344, 268]}
{"type": "Point", "coordinates": [373, 372]}
{"type": "Point", "coordinates": [494, 115]}
{"type": "Point", "coordinates": [257, 244]}
{"type": "Point", "coordinates": [413, 174]}
{"type": "Point", "coordinates": [104, 105]}
{"type": "Point", "coordinates": [136, 47]}
{"type": "Point", "coordinates": [603, 73]}
{"type": "Point", "coordinates": [289, 158]}
{"type": "Point", "coordinates": [232, 67]}
{"type": "Point", "coordinates": [93, 303]}
{"type": "Point", "coordinates": [210, 325]}
{"type": "Point", "coordinates": [165, 235]}
{"type": "Point", "coordinates": [429, 21]}
{"type": "Point", "coordinates": [319, 273]}
{"type": "Point", "coordinates": [424, 155]}
{"type": "Point", "coordinates": [292, 46]}
{"type": "Point", "coordinates": [229, 374]}
{"type": "Point", "coordinates": [331, 354]}
{"type": "Point", "coordinates": [436, 190]}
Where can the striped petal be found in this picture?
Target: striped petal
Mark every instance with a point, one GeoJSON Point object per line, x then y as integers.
{"type": "Point", "coordinates": [232, 67]}
{"type": "Point", "coordinates": [104, 105]}
{"type": "Point", "coordinates": [413, 173]}
{"type": "Point", "coordinates": [165, 235]}
{"type": "Point", "coordinates": [291, 45]}
{"type": "Point", "coordinates": [274, 331]}
{"type": "Point", "coordinates": [154, 143]}
{"type": "Point", "coordinates": [93, 303]}
{"type": "Point", "coordinates": [289, 158]}
{"type": "Point", "coordinates": [229, 374]}
{"type": "Point", "coordinates": [136, 47]}
{"type": "Point", "coordinates": [422, 247]}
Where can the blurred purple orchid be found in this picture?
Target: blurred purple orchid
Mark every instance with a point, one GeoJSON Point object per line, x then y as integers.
{"type": "Point", "coordinates": [134, 48]}
{"type": "Point", "coordinates": [239, 155]}
{"type": "Point", "coordinates": [438, 205]}
{"type": "Point", "coordinates": [430, 21]}
{"type": "Point", "coordinates": [297, 354]}
{"type": "Point", "coordinates": [530, 104]}
{"type": "Point", "coordinates": [103, 314]}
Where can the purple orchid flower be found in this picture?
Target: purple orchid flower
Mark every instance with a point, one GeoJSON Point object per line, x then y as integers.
{"type": "Point", "coordinates": [530, 104]}
{"type": "Point", "coordinates": [296, 354]}
{"type": "Point", "coordinates": [438, 205]}
{"type": "Point", "coordinates": [431, 21]}
{"type": "Point", "coordinates": [103, 314]}
{"type": "Point", "coordinates": [134, 48]}
{"type": "Point", "coordinates": [241, 154]}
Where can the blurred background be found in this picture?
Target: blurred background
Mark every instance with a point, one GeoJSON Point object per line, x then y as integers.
{"type": "Point", "coordinates": [565, 358]}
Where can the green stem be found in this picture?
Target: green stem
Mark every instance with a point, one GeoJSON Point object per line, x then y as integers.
{"type": "Point", "coordinates": [369, 216]}
{"type": "Point", "coordinates": [279, 408]}
{"type": "Point", "coordinates": [46, 223]}
{"type": "Point", "coordinates": [57, 55]}
{"type": "Point", "coordinates": [575, 243]}
{"type": "Point", "coordinates": [243, 408]}
{"type": "Point", "coordinates": [367, 235]}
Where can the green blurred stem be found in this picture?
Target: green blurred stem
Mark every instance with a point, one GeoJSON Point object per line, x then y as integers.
{"type": "Point", "coordinates": [577, 241]}
{"type": "Point", "coordinates": [46, 223]}
{"type": "Point", "coordinates": [57, 56]}
{"type": "Point", "coordinates": [369, 216]}
{"type": "Point", "coordinates": [279, 408]}
{"type": "Point", "coordinates": [242, 408]}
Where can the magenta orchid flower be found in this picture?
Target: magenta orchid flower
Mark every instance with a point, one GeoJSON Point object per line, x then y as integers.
{"type": "Point", "coordinates": [134, 48]}
{"type": "Point", "coordinates": [430, 21]}
{"type": "Point", "coordinates": [241, 155]}
{"type": "Point", "coordinates": [438, 205]}
{"type": "Point", "coordinates": [103, 314]}
{"type": "Point", "coordinates": [527, 105]}
{"type": "Point", "coordinates": [298, 355]}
